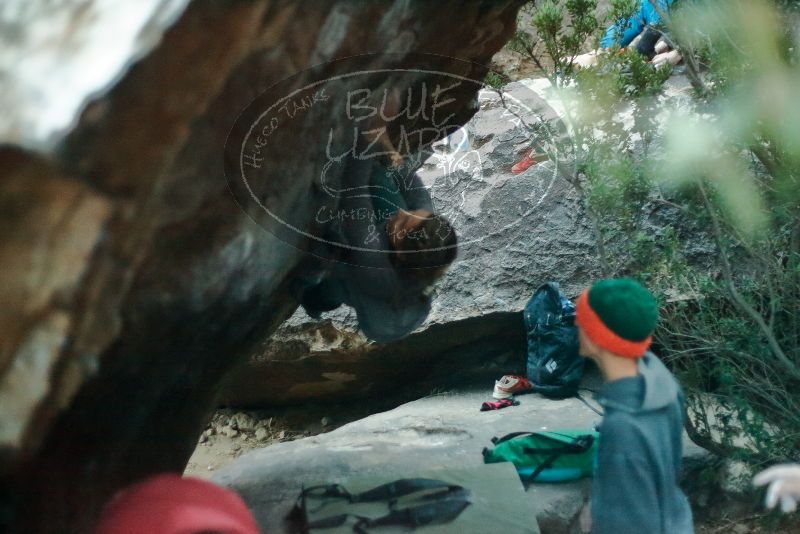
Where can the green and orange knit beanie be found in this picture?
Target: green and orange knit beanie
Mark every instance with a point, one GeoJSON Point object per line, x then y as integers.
{"type": "Point", "coordinates": [619, 316]}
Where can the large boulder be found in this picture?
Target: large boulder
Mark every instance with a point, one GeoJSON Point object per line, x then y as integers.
{"type": "Point", "coordinates": [133, 281]}
{"type": "Point", "coordinates": [515, 233]}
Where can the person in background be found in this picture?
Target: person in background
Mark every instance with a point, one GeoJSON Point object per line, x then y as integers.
{"type": "Point", "coordinates": [635, 486]}
{"type": "Point", "coordinates": [170, 504]}
{"type": "Point", "coordinates": [637, 32]}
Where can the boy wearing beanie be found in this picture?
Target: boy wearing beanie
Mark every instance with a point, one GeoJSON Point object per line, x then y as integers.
{"type": "Point", "coordinates": [635, 487]}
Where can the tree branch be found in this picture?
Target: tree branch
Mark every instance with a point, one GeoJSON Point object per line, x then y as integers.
{"type": "Point", "coordinates": [766, 159]}
{"type": "Point", "coordinates": [736, 297]}
{"type": "Point", "coordinates": [594, 219]}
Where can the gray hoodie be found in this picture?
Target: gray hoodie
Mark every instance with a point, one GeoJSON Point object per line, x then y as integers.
{"type": "Point", "coordinates": [635, 487]}
{"type": "Point", "coordinates": [388, 306]}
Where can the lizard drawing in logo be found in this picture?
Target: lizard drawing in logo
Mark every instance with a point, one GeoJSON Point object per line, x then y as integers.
{"type": "Point", "coordinates": [457, 165]}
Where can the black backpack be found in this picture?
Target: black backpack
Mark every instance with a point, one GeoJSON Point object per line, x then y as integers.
{"type": "Point", "coordinates": [554, 366]}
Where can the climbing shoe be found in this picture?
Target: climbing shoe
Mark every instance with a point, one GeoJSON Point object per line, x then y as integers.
{"type": "Point", "coordinates": [510, 385]}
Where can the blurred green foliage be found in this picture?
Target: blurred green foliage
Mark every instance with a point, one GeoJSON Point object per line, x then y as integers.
{"type": "Point", "coordinates": [495, 79]}
{"type": "Point", "coordinates": [722, 170]}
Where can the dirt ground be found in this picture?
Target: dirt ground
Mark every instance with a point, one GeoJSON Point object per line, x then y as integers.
{"type": "Point", "coordinates": [231, 433]}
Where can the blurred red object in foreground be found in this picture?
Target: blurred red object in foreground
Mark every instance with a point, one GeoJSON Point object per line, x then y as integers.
{"type": "Point", "coordinates": [171, 504]}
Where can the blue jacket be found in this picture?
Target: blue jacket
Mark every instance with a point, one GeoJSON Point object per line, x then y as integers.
{"type": "Point", "coordinates": [635, 486]}
{"type": "Point", "coordinates": [622, 34]}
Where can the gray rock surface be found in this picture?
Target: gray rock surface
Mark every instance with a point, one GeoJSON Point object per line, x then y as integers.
{"type": "Point", "coordinates": [54, 56]}
{"type": "Point", "coordinates": [515, 233]}
{"type": "Point", "coordinates": [441, 431]}
{"type": "Point", "coordinates": [132, 281]}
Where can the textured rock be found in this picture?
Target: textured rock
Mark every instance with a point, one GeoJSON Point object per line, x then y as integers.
{"type": "Point", "coordinates": [132, 280]}
{"type": "Point", "coordinates": [57, 40]}
{"type": "Point", "coordinates": [440, 431]}
{"type": "Point", "coordinates": [475, 349]}
{"type": "Point", "coordinates": [736, 478]}
{"type": "Point", "coordinates": [515, 233]}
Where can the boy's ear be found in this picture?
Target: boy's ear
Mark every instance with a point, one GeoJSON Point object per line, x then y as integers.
{"type": "Point", "coordinates": [586, 348]}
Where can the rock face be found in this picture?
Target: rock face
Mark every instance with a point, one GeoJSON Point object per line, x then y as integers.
{"type": "Point", "coordinates": [515, 233]}
{"type": "Point", "coordinates": [132, 280]}
{"type": "Point", "coordinates": [445, 431]}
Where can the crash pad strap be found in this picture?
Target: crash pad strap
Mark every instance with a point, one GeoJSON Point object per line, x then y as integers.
{"type": "Point", "coordinates": [436, 507]}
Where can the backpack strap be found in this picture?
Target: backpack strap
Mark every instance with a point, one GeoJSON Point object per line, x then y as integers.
{"type": "Point", "coordinates": [399, 488]}
{"type": "Point", "coordinates": [576, 440]}
{"type": "Point", "coordinates": [579, 445]}
{"type": "Point", "coordinates": [584, 401]}
{"type": "Point", "coordinates": [542, 466]}
{"type": "Point", "coordinates": [497, 441]}
{"type": "Point", "coordinates": [446, 508]}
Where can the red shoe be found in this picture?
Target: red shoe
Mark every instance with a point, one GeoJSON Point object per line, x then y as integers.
{"type": "Point", "coordinates": [510, 385]}
{"type": "Point", "coordinates": [528, 161]}
{"type": "Point", "coordinates": [498, 405]}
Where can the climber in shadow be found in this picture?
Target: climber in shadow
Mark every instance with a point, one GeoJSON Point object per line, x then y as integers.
{"type": "Point", "coordinates": [393, 248]}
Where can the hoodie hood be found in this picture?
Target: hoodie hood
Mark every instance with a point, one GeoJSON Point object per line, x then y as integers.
{"type": "Point", "coordinates": [655, 388]}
